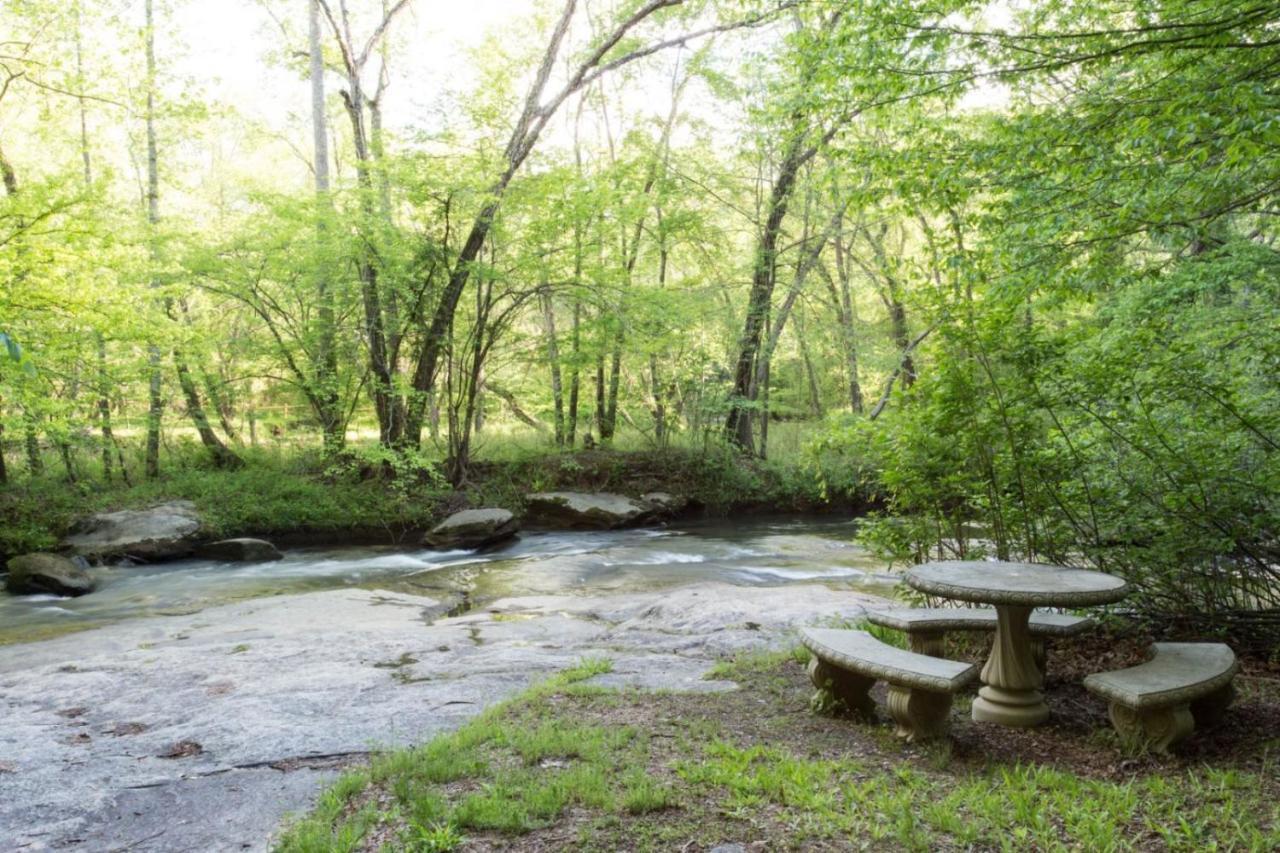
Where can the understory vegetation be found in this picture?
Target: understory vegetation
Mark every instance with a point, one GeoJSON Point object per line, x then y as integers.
{"type": "Point", "coordinates": [1004, 272]}
{"type": "Point", "coordinates": [572, 765]}
{"type": "Point", "coordinates": [294, 494]}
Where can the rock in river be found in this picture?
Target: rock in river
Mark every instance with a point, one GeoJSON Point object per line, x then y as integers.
{"type": "Point", "coordinates": [240, 551]}
{"type": "Point", "coordinates": [578, 510]}
{"type": "Point", "coordinates": [165, 531]}
{"type": "Point", "coordinates": [31, 574]}
{"type": "Point", "coordinates": [473, 528]}
{"type": "Point", "coordinates": [664, 503]}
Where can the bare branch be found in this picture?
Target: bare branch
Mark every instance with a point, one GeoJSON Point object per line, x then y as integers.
{"type": "Point", "coordinates": [381, 30]}
{"type": "Point", "coordinates": [348, 60]}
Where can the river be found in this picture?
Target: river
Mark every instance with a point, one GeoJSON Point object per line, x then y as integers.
{"type": "Point", "coordinates": [754, 552]}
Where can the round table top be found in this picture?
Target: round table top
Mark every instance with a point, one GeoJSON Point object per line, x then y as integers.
{"type": "Point", "coordinates": [1022, 584]}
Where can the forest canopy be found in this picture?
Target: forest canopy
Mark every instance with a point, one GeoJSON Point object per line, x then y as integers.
{"type": "Point", "coordinates": [1006, 270]}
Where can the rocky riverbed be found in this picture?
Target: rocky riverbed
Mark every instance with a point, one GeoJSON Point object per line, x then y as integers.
{"type": "Point", "coordinates": [203, 731]}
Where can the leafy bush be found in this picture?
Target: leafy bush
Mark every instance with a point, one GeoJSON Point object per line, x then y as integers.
{"type": "Point", "coordinates": [1142, 438]}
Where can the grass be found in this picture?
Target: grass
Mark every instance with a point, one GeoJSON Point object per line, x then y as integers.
{"type": "Point", "coordinates": [271, 494]}
{"type": "Point", "coordinates": [522, 771]}
{"type": "Point", "coordinates": [571, 766]}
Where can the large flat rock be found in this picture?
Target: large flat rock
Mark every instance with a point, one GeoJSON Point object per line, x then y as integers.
{"type": "Point", "coordinates": [161, 532]}
{"type": "Point", "coordinates": [280, 692]}
{"type": "Point", "coordinates": [585, 510]}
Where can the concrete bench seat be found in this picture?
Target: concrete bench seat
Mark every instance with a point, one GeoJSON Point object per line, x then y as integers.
{"type": "Point", "coordinates": [1160, 702]}
{"type": "Point", "coordinates": [926, 627]}
{"type": "Point", "coordinates": [847, 663]}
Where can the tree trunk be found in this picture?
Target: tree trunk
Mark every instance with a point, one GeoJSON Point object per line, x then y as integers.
{"type": "Point", "coordinates": [575, 376]}
{"type": "Point", "coordinates": [84, 111]}
{"type": "Point", "coordinates": [59, 436]}
{"type": "Point", "coordinates": [155, 407]}
{"type": "Point", "coordinates": [460, 427]}
{"type": "Point", "coordinates": [600, 396]}
{"type": "Point", "coordinates": [104, 408]}
{"type": "Point", "coordinates": [902, 337]}
{"type": "Point", "coordinates": [575, 369]}
{"type": "Point", "coordinates": [815, 394]}
{"type": "Point", "coordinates": [325, 379]}
{"type": "Point", "coordinates": [553, 358]}
{"type": "Point", "coordinates": [386, 402]}
{"type": "Point", "coordinates": [8, 176]}
{"type": "Point", "coordinates": [31, 440]}
{"type": "Point", "coordinates": [221, 454]}
{"type": "Point", "coordinates": [611, 409]}
{"type": "Point", "coordinates": [738, 424]}
{"type": "Point", "coordinates": [221, 406]}
{"type": "Point", "coordinates": [845, 316]}
{"type": "Point", "coordinates": [811, 250]}
{"type": "Point", "coordinates": [655, 381]}
{"type": "Point", "coordinates": [891, 295]}
{"type": "Point", "coordinates": [764, 409]}
{"type": "Point", "coordinates": [104, 380]}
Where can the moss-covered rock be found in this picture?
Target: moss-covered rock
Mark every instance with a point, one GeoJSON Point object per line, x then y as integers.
{"type": "Point", "coordinates": [32, 574]}
{"type": "Point", "coordinates": [241, 550]}
{"type": "Point", "coordinates": [473, 528]}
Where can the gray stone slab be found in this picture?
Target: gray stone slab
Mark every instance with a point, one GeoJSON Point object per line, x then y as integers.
{"type": "Point", "coordinates": [912, 619]}
{"type": "Point", "coordinates": [585, 510]}
{"type": "Point", "coordinates": [176, 815]}
{"type": "Point", "coordinates": [291, 680]}
{"type": "Point", "coordinates": [160, 532]}
{"type": "Point", "coordinates": [473, 528]}
{"type": "Point", "coordinates": [1177, 674]}
{"type": "Point", "coordinates": [861, 652]}
{"type": "Point", "coordinates": [1023, 584]}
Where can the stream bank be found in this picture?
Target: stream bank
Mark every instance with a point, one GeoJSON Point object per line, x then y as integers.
{"type": "Point", "coordinates": [297, 499]}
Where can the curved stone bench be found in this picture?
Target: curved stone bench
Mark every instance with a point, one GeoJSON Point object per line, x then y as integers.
{"type": "Point", "coordinates": [1160, 702]}
{"type": "Point", "coordinates": [926, 627]}
{"type": "Point", "coordinates": [847, 663]}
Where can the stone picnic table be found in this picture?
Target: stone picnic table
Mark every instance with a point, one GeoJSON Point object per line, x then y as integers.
{"type": "Point", "coordinates": [1010, 695]}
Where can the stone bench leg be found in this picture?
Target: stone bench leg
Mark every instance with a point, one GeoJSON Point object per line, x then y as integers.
{"type": "Point", "coordinates": [931, 643]}
{"type": "Point", "coordinates": [919, 714]}
{"type": "Point", "coordinates": [1208, 710]}
{"type": "Point", "coordinates": [838, 686]}
{"type": "Point", "coordinates": [1155, 728]}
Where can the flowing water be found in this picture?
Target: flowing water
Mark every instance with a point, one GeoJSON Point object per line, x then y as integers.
{"type": "Point", "coordinates": [759, 552]}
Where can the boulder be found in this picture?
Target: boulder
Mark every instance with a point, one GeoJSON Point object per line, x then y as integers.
{"type": "Point", "coordinates": [593, 511]}
{"type": "Point", "coordinates": [473, 528]}
{"type": "Point", "coordinates": [31, 574]}
{"type": "Point", "coordinates": [162, 532]}
{"type": "Point", "coordinates": [663, 504]}
{"type": "Point", "coordinates": [241, 550]}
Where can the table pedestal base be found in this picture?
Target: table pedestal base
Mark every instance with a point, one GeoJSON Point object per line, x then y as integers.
{"type": "Point", "coordinates": [1011, 695]}
{"type": "Point", "coordinates": [1021, 709]}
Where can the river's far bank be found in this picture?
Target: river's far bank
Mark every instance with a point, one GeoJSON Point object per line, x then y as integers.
{"type": "Point", "coordinates": [300, 500]}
